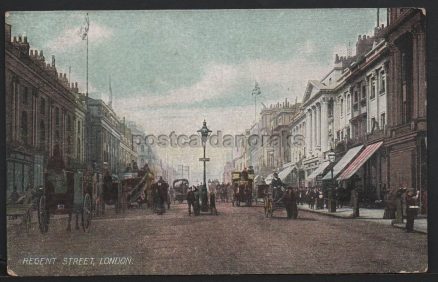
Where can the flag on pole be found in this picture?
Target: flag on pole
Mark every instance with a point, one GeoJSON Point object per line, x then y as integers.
{"type": "Point", "coordinates": [83, 32]}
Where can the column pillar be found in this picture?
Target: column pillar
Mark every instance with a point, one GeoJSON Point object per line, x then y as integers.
{"type": "Point", "coordinates": [307, 145]}
{"type": "Point", "coordinates": [315, 129]}
{"type": "Point", "coordinates": [318, 126]}
{"type": "Point", "coordinates": [311, 131]}
{"type": "Point", "coordinates": [324, 125]}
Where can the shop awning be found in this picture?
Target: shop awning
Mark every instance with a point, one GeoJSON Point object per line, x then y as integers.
{"type": "Point", "coordinates": [285, 172]}
{"type": "Point", "coordinates": [343, 162]}
{"type": "Point", "coordinates": [360, 160]}
{"type": "Point", "coordinates": [317, 171]}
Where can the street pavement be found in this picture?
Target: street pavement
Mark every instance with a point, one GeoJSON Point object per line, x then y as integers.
{"type": "Point", "coordinates": [240, 240]}
{"type": "Point", "coordinates": [374, 215]}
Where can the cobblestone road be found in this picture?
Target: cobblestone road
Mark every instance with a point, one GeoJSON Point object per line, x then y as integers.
{"type": "Point", "coordinates": [239, 240]}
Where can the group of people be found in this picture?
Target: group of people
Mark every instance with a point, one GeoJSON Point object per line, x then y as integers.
{"type": "Point", "coordinates": [194, 200]}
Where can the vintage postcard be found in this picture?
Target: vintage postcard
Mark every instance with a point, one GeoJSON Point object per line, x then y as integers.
{"type": "Point", "coordinates": [161, 142]}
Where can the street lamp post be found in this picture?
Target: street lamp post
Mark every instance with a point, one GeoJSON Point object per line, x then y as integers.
{"type": "Point", "coordinates": [204, 136]}
{"type": "Point", "coordinates": [332, 202]}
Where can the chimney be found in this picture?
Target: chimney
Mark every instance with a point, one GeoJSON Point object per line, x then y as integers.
{"type": "Point", "coordinates": [31, 53]}
{"type": "Point", "coordinates": [15, 38]}
{"type": "Point", "coordinates": [65, 76]}
{"type": "Point", "coordinates": [53, 61]}
{"type": "Point", "coordinates": [41, 53]}
{"type": "Point", "coordinates": [19, 38]}
{"type": "Point", "coordinates": [76, 85]}
{"type": "Point", "coordinates": [337, 59]}
{"type": "Point", "coordinates": [25, 39]}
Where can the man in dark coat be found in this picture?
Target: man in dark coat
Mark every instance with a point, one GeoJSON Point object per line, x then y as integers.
{"type": "Point", "coordinates": [190, 200]}
{"type": "Point", "coordinates": [290, 203]}
{"type": "Point", "coordinates": [163, 188]}
{"type": "Point", "coordinates": [276, 185]}
{"type": "Point", "coordinates": [196, 205]}
{"type": "Point", "coordinates": [411, 209]}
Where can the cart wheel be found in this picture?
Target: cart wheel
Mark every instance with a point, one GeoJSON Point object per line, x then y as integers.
{"type": "Point", "coordinates": [43, 215]}
{"type": "Point", "coordinates": [86, 212]}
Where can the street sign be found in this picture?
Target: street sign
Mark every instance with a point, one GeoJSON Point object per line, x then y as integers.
{"type": "Point", "coordinates": [204, 159]}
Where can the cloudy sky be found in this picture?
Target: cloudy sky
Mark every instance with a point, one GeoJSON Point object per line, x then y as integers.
{"type": "Point", "coordinates": [171, 69]}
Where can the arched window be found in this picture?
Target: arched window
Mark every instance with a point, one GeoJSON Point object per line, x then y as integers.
{"type": "Point", "coordinates": [142, 148]}
{"type": "Point", "coordinates": [24, 127]}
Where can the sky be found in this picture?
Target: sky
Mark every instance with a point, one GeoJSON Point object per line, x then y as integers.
{"type": "Point", "coordinates": [172, 69]}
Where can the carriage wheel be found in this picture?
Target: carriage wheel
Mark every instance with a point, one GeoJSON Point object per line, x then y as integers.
{"type": "Point", "coordinates": [86, 212]}
{"type": "Point", "coordinates": [43, 215]}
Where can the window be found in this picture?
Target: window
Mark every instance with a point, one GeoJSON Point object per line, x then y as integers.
{"type": "Point", "coordinates": [373, 88]}
{"type": "Point", "coordinates": [356, 97]}
{"type": "Point", "coordinates": [382, 120]}
{"type": "Point", "coordinates": [79, 127]}
{"type": "Point", "coordinates": [364, 91]}
{"type": "Point", "coordinates": [407, 79]}
{"type": "Point", "coordinates": [57, 135]}
{"type": "Point", "coordinates": [24, 127]}
{"type": "Point", "coordinates": [57, 116]}
{"type": "Point", "coordinates": [382, 82]}
{"type": "Point", "coordinates": [142, 148]}
{"type": "Point", "coordinates": [348, 103]}
{"type": "Point", "coordinates": [43, 106]}
{"type": "Point", "coordinates": [348, 133]}
{"type": "Point", "coordinates": [42, 133]}
{"type": "Point", "coordinates": [26, 96]}
{"type": "Point", "coordinates": [342, 107]}
{"type": "Point", "coordinates": [79, 148]}
{"type": "Point", "coordinates": [374, 125]}
{"type": "Point", "coordinates": [338, 135]}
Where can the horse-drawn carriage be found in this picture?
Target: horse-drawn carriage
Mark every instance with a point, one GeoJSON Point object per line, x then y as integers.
{"type": "Point", "coordinates": [112, 194]}
{"type": "Point", "coordinates": [242, 187]}
{"type": "Point", "coordinates": [64, 193]}
{"type": "Point", "coordinates": [132, 190]}
{"type": "Point", "coordinates": [180, 187]}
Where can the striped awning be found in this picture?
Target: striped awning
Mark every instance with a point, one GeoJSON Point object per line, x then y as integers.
{"type": "Point", "coordinates": [343, 162]}
{"type": "Point", "coordinates": [360, 160]}
{"type": "Point", "coordinates": [285, 172]}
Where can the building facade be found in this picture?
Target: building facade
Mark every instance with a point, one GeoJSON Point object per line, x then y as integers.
{"type": "Point", "coordinates": [44, 112]}
{"type": "Point", "coordinates": [406, 141]}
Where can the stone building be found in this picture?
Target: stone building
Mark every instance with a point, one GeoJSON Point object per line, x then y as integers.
{"type": "Point", "coordinates": [44, 111]}
{"type": "Point", "coordinates": [407, 95]}
{"type": "Point", "coordinates": [109, 139]}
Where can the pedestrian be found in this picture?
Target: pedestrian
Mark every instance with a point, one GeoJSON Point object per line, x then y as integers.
{"type": "Point", "coordinates": [411, 209]}
{"type": "Point", "coordinates": [190, 200]}
{"type": "Point", "coordinates": [213, 209]}
{"type": "Point", "coordinates": [196, 205]}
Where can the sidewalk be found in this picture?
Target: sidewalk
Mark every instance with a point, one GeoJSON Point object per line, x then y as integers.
{"type": "Point", "coordinates": [373, 215]}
